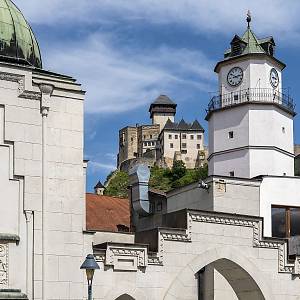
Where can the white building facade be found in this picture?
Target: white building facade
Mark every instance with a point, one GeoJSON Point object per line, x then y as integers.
{"type": "Point", "coordinates": [225, 238]}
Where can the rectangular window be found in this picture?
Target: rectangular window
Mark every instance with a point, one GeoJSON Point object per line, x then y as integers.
{"type": "Point", "coordinates": [198, 146]}
{"type": "Point", "coordinates": [171, 145]}
{"type": "Point", "coordinates": [191, 136]}
{"type": "Point", "coordinates": [170, 136]}
{"type": "Point", "coordinates": [176, 136]}
{"type": "Point", "coordinates": [231, 174]}
{"type": "Point", "coordinates": [199, 137]}
{"type": "Point", "coordinates": [285, 221]}
{"type": "Point", "coordinates": [183, 136]}
{"type": "Point", "coordinates": [230, 134]}
{"type": "Point", "coordinates": [183, 145]}
{"type": "Point", "coordinates": [150, 136]}
{"type": "Point", "coordinates": [184, 151]}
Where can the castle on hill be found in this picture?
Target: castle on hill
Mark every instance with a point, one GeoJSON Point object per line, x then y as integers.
{"type": "Point", "coordinates": [163, 141]}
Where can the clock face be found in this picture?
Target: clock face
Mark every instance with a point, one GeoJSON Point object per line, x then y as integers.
{"type": "Point", "coordinates": [235, 76]}
{"type": "Point", "coordinates": [274, 78]}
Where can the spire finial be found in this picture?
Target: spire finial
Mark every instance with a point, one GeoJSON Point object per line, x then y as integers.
{"type": "Point", "coordinates": [248, 18]}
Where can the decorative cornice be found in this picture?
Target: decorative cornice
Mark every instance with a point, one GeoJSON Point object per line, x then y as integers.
{"type": "Point", "coordinates": [249, 147]}
{"type": "Point", "coordinates": [20, 79]}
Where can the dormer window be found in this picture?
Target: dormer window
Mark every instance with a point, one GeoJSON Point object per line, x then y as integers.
{"type": "Point", "coordinates": [236, 49]}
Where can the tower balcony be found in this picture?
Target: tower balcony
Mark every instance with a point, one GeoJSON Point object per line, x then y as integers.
{"type": "Point", "coordinates": [253, 95]}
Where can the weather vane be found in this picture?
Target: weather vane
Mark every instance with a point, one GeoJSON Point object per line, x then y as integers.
{"type": "Point", "coordinates": [248, 18]}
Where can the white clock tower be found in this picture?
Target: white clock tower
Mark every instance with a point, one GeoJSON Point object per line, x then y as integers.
{"type": "Point", "coordinates": [250, 119]}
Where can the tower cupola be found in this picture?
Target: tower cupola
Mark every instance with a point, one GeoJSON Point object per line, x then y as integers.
{"type": "Point", "coordinates": [17, 41]}
{"type": "Point", "coordinates": [162, 109]}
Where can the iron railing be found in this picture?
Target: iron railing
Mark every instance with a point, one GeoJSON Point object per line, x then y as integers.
{"type": "Point", "coordinates": [255, 95]}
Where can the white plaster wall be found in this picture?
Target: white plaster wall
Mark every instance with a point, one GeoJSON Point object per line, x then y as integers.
{"type": "Point", "coordinates": [235, 119]}
{"type": "Point", "coordinates": [270, 162]}
{"type": "Point", "coordinates": [266, 125]}
{"type": "Point", "coordinates": [277, 191]}
{"type": "Point", "coordinates": [223, 164]}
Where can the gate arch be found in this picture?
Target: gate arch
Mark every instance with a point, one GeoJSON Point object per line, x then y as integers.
{"type": "Point", "coordinates": [126, 291]}
{"type": "Point", "coordinates": [184, 285]}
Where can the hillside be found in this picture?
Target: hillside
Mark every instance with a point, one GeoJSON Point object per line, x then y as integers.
{"type": "Point", "coordinates": [162, 179]}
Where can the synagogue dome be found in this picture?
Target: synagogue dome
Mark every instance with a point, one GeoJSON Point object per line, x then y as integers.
{"type": "Point", "coordinates": [17, 41]}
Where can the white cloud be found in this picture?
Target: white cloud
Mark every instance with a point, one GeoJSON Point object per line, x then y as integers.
{"type": "Point", "coordinates": [95, 167]}
{"type": "Point", "coordinates": [278, 17]}
{"type": "Point", "coordinates": [121, 80]}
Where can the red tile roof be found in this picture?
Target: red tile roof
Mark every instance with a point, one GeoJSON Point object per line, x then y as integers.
{"type": "Point", "coordinates": [104, 213]}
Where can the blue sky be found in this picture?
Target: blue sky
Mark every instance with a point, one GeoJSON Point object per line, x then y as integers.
{"type": "Point", "coordinates": [127, 52]}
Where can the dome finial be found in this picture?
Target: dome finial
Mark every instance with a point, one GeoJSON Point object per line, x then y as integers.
{"type": "Point", "coordinates": [248, 18]}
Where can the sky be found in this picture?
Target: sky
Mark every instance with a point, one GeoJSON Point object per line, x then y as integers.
{"type": "Point", "coordinates": [125, 53]}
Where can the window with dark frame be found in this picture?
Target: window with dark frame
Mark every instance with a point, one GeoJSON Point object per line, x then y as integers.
{"type": "Point", "coordinates": [231, 173]}
{"type": "Point", "coordinates": [183, 145]}
{"type": "Point", "coordinates": [183, 136]}
{"type": "Point", "coordinates": [230, 134]}
{"type": "Point", "coordinates": [285, 221]}
{"type": "Point", "coordinates": [199, 137]}
{"type": "Point", "coordinates": [170, 136]}
{"type": "Point", "coordinates": [191, 136]}
{"type": "Point", "coordinates": [171, 145]}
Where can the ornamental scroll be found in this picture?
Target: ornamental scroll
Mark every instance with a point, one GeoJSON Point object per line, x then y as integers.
{"type": "Point", "coordinates": [3, 265]}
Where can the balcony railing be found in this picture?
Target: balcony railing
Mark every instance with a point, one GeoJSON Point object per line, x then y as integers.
{"type": "Point", "coordinates": [256, 95]}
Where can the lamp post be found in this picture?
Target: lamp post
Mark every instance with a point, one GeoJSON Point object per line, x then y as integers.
{"type": "Point", "coordinates": [90, 265]}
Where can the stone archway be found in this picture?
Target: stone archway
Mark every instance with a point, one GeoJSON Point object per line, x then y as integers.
{"type": "Point", "coordinates": [229, 262]}
{"type": "Point", "coordinates": [125, 297]}
{"type": "Point", "coordinates": [215, 280]}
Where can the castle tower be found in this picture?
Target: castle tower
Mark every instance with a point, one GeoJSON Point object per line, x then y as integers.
{"type": "Point", "coordinates": [162, 109]}
{"type": "Point", "coordinates": [250, 119]}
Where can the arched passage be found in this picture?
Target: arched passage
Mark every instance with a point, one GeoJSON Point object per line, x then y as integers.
{"type": "Point", "coordinates": [212, 279]}
{"type": "Point", "coordinates": [125, 297]}
{"type": "Point", "coordinates": [229, 262]}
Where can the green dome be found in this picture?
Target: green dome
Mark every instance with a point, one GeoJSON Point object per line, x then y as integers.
{"type": "Point", "coordinates": [17, 41]}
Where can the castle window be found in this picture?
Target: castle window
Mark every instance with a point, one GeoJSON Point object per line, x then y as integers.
{"type": "Point", "coordinates": [176, 136]}
{"type": "Point", "coordinates": [144, 137]}
{"type": "Point", "coordinates": [199, 137]}
{"type": "Point", "coordinates": [198, 146]}
{"type": "Point", "coordinates": [231, 173]}
{"type": "Point", "coordinates": [191, 136]}
{"type": "Point", "coordinates": [230, 134]}
{"type": "Point", "coordinates": [285, 221]}
{"type": "Point", "coordinates": [132, 139]}
{"type": "Point", "coordinates": [183, 136]}
{"type": "Point", "coordinates": [283, 129]}
{"type": "Point", "coordinates": [171, 145]}
{"type": "Point", "coordinates": [170, 136]}
{"type": "Point", "coordinates": [184, 151]}
{"type": "Point", "coordinates": [183, 145]}
{"type": "Point", "coordinates": [150, 136]}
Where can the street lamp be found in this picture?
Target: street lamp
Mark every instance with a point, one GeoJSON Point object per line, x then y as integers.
{"type": "Point", "coordinates": [90, 265]}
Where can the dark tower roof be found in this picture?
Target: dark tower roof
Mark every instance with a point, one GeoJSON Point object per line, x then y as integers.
{"type": "Point", "coordinates": [99, 185]}
{"type": "Point", "coordinates": [183, 126]}
{"type": "Point", "coordinates": [17, 41]}
{"type": "Point", "coordinates": [163, 104]}
{"type": "Point", "coordinates": [250, 45]}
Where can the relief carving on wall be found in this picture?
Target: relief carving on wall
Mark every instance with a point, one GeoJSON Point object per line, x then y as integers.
{"type": "Point", "coordinates": [3, 265]}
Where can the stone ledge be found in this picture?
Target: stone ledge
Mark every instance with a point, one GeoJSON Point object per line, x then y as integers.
{"type": "Point", "coordinates": [11, 238]}
{"type": "Point", "coordinates": [12, 294]}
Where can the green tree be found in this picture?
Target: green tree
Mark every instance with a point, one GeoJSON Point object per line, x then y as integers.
{"type": "Point", "coordinates": [118, 185]}
{"type": "Point", "coordinates": [178, 169]}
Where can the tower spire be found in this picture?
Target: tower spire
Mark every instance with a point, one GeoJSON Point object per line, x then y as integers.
{"type": "Point", "coordinates": [249, 18]}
